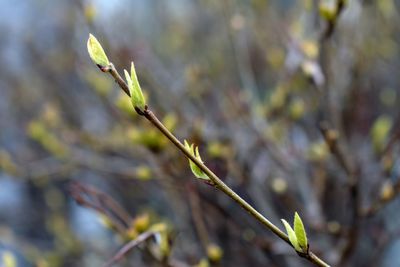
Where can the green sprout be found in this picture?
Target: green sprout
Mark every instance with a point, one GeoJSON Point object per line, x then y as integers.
{"type": "Point", "coordinates": [297, 237]}
{"type": "Point", "coordinates": [135, 90]}
{"type": "Point", "coordinates": [195, 169]}
{"type": "Point", "coordinates": [96, 52]}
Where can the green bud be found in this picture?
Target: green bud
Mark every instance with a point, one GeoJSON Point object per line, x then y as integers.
{"type": "Point", "coordinates": [292, 236]}
{"type": "Point", "coordinates": [195, 169]}
{"type": "Point", "coordinates": [137, 94]}
{"type": "Point", "coordinates": [128, 79]}
{"type": "Point", "coordinates": [300, 232]}
{"type": "Point", "coordinates": [137, 97]}
{"type": "Point", "coordinates": [96, 52]}
{"type": "Point", "coordinates": [297, 237]}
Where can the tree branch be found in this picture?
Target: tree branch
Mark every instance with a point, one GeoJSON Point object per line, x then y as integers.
{"type": "Point", "coordinates": [215, 180]}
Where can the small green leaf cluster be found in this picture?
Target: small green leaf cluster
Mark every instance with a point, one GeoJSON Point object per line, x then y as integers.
{"type": "Point", "coordinates": [297, 236]}
{"type": "Point", "coordinates": [195, 169]}
{"type": "Point", "coordinates": [99, 57]}
{"type": "Point", "coordinates": [137, 97]}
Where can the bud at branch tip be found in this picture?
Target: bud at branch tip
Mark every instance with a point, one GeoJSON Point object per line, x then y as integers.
{"type": "Point", "coordinates": [96, 52]}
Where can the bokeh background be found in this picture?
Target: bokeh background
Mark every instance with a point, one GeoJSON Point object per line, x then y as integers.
{"type": "Point", "coordinates": [294, 104]}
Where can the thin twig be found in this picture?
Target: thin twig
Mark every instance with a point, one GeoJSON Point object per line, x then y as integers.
{"type": "Point", "coordinates": [331, 138]}
{"type": "Point", "coordinates": [216, 181]}
{"type": "Point", "coordinates": [118, 79]}
{"type": "Point", "coordinates": [389, 145]}
{"type": "Point", "coordinates": [90, 197]}
{"type": "Point", "coordinates": [129, 246]}
{"type": "Point", "coordinates": [198, 220]}
{"type": "Point", "coordinates": [382, 202]}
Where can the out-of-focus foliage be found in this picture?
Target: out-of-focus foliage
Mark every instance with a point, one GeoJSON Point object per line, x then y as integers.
{"type": "Point", "coordinates": [249, 82]}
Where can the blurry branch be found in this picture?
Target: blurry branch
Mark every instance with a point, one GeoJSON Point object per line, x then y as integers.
{"type": "Point", "coordinates": [331, 11]}
{"type": "Point", "coordinates": [214, 252]}
{"type": "Point", "coordinates": [240, 49]}
{"type": "Point", "coordinates": [146, 236]}
{"type": "Point", "coordinates": [389, 190]}
{"type": "Point", "coordinates": [331, 137]}
{"type": "Point", "coordinates": [257, 127]}
{"type": "Point", "coordinates": [389, 145]}
{"type": "Point", "coordinates": [198, 220]}
{"type": "Point", "coordinates": [90, 197]}
{"type": "Point", "coordinates": [79, 159]}
{"type": "Point", "coordinates": [129, 246]}
{"type": "Point", "coordinates": [133, 90]}
{"type": "Point", "coordinates": [332, 22]}
{"type": "Point", "coordinates": [388, 193]}
{"type": "Point", "coordinates": [235, 23]}
{"type": "Point", "coordinates": [42, 168]}
{"type": "Point", "coordinates": [269, 246]}
{"type": "Point", "coordinates": [117, 218]}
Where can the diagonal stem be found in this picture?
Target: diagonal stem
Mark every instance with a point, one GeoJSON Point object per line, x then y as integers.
{"type": "Point", "coordinates": [129, 246]}
{"type": "Point", "coordinates": [226, 189]}
{"type": "Point", "coordinates": [217, 182]}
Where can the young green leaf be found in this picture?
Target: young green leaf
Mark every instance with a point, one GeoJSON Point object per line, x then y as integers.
{"type": "Point", "coordinates": [300, 232]}
{"type": "Point", "coordinates": [135, 89]}
{"type": "Point", "coordinates": [292, 236]}
{"type": "Point", "coordinates": [96, 52]}
{"type": "Point", "coordinates": [195, 169]}
{"type": "Point", "coordinates": [128, 79]}
{"type": "Point", "coordinates": [137, 97]}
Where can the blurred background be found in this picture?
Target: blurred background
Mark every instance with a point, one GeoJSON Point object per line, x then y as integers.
{"type": "Point", "coordinates": [294, 104]}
